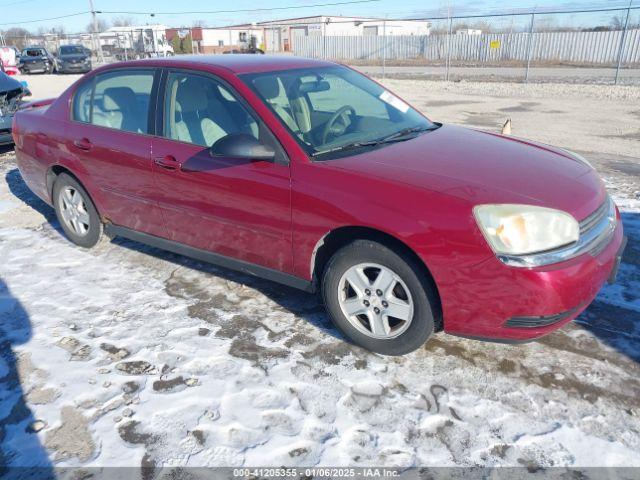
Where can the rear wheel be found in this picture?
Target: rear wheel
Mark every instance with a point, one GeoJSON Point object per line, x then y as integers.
{"type": "Point", "coordinates": [378, 298]}
{"type": "Point", "coordinates": [76, 212]}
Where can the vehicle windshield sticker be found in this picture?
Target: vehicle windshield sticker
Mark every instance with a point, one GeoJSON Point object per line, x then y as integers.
{"type": "Point", "coordinates": [394, 101]}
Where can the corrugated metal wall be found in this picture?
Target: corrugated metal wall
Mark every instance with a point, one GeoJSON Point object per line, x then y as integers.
{"type": "Point", "coordinates": [574, 47]}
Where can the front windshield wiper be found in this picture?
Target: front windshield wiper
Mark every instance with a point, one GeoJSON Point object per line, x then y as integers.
{"type": "Point", "coordinates": [401, 136]}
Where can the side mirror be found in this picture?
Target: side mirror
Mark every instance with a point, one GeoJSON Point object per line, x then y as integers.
{"type": "Point", "coordinates": [242, 146]}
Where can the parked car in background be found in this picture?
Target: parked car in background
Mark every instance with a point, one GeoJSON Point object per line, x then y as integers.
{"type": "Point", "coordinates": [11, 94]}
{"type": "Point", "coordinates": [36, 60]}
{"type": "Point", "coordinates": [9, 60]}
{"type": "Point", "coordinates": [311, 174]}
{"type": "Point", "coordinates": [73, 59]}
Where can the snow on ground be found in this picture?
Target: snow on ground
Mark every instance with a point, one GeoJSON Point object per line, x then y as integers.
{"type": "Point", "coordinates": [134, 356]}
{"type": "Point", "coordinates": [127, 355]}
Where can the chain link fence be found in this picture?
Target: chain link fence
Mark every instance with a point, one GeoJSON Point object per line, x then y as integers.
{"type": "Point", "coordinates": [116, 44]}
{"type": "Point", "coordinates": [578, 46]}
{"type": "Point", "coordinates": [600, 46]}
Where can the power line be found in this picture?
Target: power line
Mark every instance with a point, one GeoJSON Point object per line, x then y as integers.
{"type": "Point", "coordinates": [16, 3]}
{"type": "Point", "coordinates": [517, 13]}
{"type": "Point", "coordinates": [244, 10]}
{"type": "Point", "coordinates": [46, 19]}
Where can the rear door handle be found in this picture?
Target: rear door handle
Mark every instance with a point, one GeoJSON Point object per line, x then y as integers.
{"type": "Point", "coordinates": [83, 144]}
{"type": "Point", "coordinates": [168, 162]}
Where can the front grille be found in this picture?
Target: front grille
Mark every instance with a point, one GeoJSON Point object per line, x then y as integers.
{"type": "Point", "coordinates": [541, 321]}
{"type": "Point", "coordinates": [10, 101]}
{"type": "Point", "coordinates": [595, 218]}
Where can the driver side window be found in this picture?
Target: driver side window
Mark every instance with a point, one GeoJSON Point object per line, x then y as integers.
{"type": "Point", "coordinates": [200, 111]}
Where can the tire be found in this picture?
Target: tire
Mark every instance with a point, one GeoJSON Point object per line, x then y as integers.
{"type": "Point", "coordinates": [408, 290]}
{"type": "Point", "coordinates": [87, 229]}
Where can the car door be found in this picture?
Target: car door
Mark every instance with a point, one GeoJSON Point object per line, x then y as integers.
{"type": "Point", "coordinates": [237, 208]}
{"type": "Point", "coordinates": [109, 134]}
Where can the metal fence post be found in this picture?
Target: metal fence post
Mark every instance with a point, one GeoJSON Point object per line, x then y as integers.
{"type": "Point", "coordinates": [529, 47]}
{"type": "Point", "coordinates": [622, 41]}
{"type": "Point", "coordinates": [324, 39]}
{"type": "Point", "coordinates": [384, 48]}
{"type": "Point", "coordinates": [448, 62]}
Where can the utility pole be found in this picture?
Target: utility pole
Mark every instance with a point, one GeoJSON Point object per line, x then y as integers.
{"type": "Point", "coordinates": [96, 36]}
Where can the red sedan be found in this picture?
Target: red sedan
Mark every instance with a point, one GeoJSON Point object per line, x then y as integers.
{"type": "Point", "coordinates": [313, 175]}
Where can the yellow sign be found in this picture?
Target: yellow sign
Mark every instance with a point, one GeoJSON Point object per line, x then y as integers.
{"type": "Point", "coordinates": [495, 44]}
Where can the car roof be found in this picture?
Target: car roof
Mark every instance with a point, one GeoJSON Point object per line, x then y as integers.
{"type": "Point", "coordinates": [237, 63]}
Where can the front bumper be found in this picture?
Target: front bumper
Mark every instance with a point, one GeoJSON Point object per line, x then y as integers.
{"type": "Point", "coordinates": [38, 67]}
{"type": "Point", "coordinates": [5, 130]}
{"type": "Point", "coordinates": [74, 68]}
{"type": "Point", "coordinates": [515, 304]}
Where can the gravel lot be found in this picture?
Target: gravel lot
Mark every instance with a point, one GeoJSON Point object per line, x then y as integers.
{"type": "Point", "coordinates": [126, 355]}
{"type": "Point", "coordinates": [577, 75]}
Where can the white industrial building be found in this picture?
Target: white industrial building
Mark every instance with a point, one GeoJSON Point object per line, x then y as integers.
{"type": "Point", "coordinates": [135, 41]}
{"type": "Point", "coordinates": [280, 35]}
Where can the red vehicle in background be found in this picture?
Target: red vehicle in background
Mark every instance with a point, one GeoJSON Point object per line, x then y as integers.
{"type": "Point", "coordinates": [313, 175]}
{"type": "Point", "coordinates": [9, 57]}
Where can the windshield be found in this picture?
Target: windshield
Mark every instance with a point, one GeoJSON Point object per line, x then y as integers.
{"type": "Point", "coordinates": [33, 52]}
{"type": "Point", "coordinates": [71, 50]}
{"type": "Point", "coordinates": [333, 108]}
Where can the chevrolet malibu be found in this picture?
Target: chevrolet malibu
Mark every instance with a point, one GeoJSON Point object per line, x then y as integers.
{"type": "Point", "coordinates": [312, 175]}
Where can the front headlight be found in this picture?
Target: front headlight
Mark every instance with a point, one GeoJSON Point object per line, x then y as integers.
{"type": "Point", "coordinates": [524, 229]}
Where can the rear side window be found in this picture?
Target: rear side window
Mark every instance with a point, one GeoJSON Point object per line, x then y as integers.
{"type": "Point", "coordinates": [118, 100]}
{"type": "Point", "coordinates": [82, 102]}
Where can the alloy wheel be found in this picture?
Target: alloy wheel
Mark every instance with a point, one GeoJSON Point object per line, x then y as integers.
{"type": "Point", "coordinates": [375, 300]}
{"type": "Point", "coordinates": [73, 209]}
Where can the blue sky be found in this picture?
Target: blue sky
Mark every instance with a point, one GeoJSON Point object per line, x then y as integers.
{"type": "Point", "coordinates": [21, 10]}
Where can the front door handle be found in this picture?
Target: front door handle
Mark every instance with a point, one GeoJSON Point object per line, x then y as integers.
{"type": "Point", "coordinates": [83, 144]}
{"type": "Point", "coordinates": [168, 162]}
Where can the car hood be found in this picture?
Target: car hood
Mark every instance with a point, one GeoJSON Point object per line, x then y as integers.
{"type": "Point", "coordinates": [8, 84]}
{"type": "Point", "coordinates": [483, 167]}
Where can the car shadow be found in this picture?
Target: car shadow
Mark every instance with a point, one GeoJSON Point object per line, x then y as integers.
{"type": "Point", "coordinates": [614, 316]}
{"type": "Point", "coordinates": [22, 192]}
{"type": "Point", "coordinates": [307, 306]}
{"type": "Point", "coordinates": [304, 305]}
{"type": "Point", "coordinates": [21, 453]}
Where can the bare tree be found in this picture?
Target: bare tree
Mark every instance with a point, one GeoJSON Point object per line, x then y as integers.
{"type": "Point", "coordinates": [101, 24]}
{"type": "Point", "coordinates": [122, 21]}
{"type": "Point", "coordinates": [617, 22]}
{"type": "Point", "coordinates": [199, 24]}
{"type": "Point", "coordinates": [17, 36]}
{"type": "Point", "coordinates": [59, 30]}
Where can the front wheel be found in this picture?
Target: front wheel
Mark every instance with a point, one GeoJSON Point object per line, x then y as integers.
{"type": "Point", "coordinates": [378, 298]}
{"type": "Point", "coordinates": [76, 212]}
